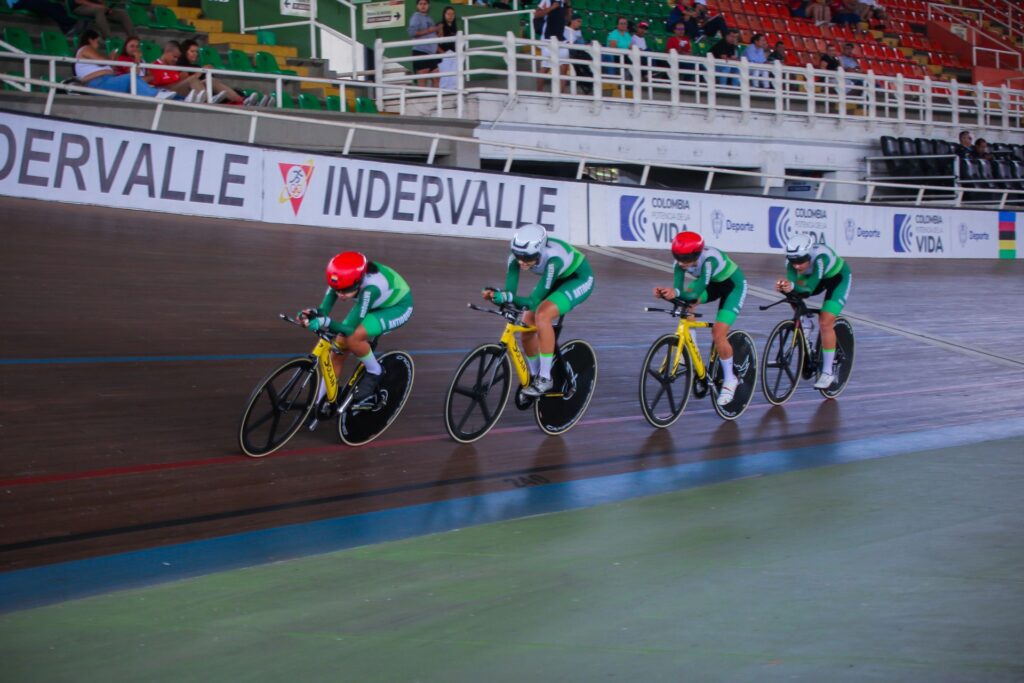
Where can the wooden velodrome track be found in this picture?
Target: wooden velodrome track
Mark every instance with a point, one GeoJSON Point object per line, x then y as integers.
{"type": "Point", "coordinates": [130, 342]}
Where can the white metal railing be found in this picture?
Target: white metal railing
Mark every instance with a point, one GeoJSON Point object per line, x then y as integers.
{"type": "Point", "coordinates": [674, 82]}
{"type": "Point", "coordinates": [921, 194]}
{"type": "Point", "coordinates": [1006, 13]}
{"type": "Point", "coordinates": [953, 14]}
{"type": "Point", "coordinates": [313, 25]}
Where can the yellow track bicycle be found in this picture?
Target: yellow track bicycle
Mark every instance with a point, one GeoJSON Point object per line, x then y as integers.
{"type": "Point", "coordinates": [674, 367]}
{"type": "Point", "coordinates": [482, 383]}
{"type": "Point", "coordinates": [291, 396]}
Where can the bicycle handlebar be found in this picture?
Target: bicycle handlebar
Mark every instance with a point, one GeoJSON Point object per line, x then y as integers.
{"type": "Point", "coordinates": [509, 312]}
{"type": "Point", "coordinates": [679, 308]}
{"type": "Point", "coordinates": [325, 335]}
{"type": "Point", "coordinates": [793, 298]}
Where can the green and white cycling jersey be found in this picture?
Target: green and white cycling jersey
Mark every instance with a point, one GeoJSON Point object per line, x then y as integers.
{"type": "Point", "coordinates": [384, 303]}
{"type": "Point", "coordinates": [558, 262]}
{"type": "Point", "coordinates": [713, 265]}
{"type": "Point", "coordinates": [829, 273]}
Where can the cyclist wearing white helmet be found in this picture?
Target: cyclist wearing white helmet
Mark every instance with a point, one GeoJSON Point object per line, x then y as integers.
{"type": "Point", "coordinates": [566, 280]}
{"type": "Point", "coordinates": [813, 268]}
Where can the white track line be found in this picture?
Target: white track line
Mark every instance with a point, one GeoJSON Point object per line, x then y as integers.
{"type": "Point", "coordinates": [770, 295]}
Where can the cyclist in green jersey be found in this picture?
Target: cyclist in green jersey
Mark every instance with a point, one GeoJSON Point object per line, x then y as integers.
{"type": "Point", "coordinates": [566, 280]}
{"type": "Point", "coordinates": [810, 269]}
{"type": "Point", "coordinates": [715, 276]}
{"type": "Point", "coordinates": [383, 304]}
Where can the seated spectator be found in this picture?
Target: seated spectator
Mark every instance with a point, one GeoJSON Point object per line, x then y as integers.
{"type": "Point", "coordinates": [448, 28]}
{"type": "Point", "coordinates": [52, 10]}
{"type": "Point", "coordinates": [700, 23]}
{"type": "Point", "coordinates": [103, 77]}
{"type": "Point", "coordinates": [981, 150]}
{"type": "Point", "coordinates": [870, 10]}
{"type": "Point", "coordinates": [190, 57]}
{"type": "Point", "coordinates": [725, 50]}
{"type": "Point", "coordinates": [964, 147]}
{"type": "Point", "coordinates": [574, 36]}
{"type": "Point", "coordinates": [755, 54]}
{"type": "Point", "coordinates": [183, 84]}
{"type": "Point", "coordinates": [829, 60]}
{"type": "Point", "coordinates": [850, 65]}
{"type": "Point", "coordinates": [678, 40]}
{"type": "Point", "coordinates": [847, 13]}
{"type": "Point", "coordinates": [131, 52]}
{"type": "Point", "coordinates": [99, 11]}
{"type": "Point", "coordinates": [819, 12]}
{"type": "Point", "coordinates": [779, 53]}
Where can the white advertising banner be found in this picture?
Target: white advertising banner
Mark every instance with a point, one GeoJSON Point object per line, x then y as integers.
{"type": "Point", "coordinates": [383, 14]}
{"type": "Point", "coordinates": [633, 217]}
{"type": "Point", "coordinates": [368, 195]}
{"type": "Point", "coordinates": [48, 159]}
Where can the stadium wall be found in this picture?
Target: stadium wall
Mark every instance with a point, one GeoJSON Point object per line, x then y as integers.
{"type": "Point", "coordinates": [45, 158]}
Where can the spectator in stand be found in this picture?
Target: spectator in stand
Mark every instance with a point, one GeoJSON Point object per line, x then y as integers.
{"type": "Point", "coordinates": [183, 84]}
{"type": "Point", "coordinates": [678, 40]}
{"type": "Point", "coordinates": [829, 60]}
{"type": "Point", "coordinates": [620, 38]}
{"type": "Point", "coordinates": [981, 150]}
{"type": "Point", "coordinates": [640, 41]}
{"type": "Point", "coordinates": [101, 14]}
{"type": "Point", "coordinates": [847, 13]}
{"type": "Point", "coordinates": [964, 147]}
{"type": "Point", "coordinates": [725, 50]}
{"type": "Point", "coordinates": [103, 77]}
{"type": "Point", "coordinates": [819, 12]}
{"type": "Point", "coordinates": [574, 36]}
{"type": "Point", "coordinates": [422, 26]}
{"type": "Point", "coordinates": [700, 23]}
{"type": "Point", "coordinates": [448, 28]}
{"type": "Point", "coordinates": [755, 54]}
{"type": "Point", "coordinates": [850, 65]}
{"type": "Point", "coordinates": [190, 57]}
{"type": "Point", "coordinates": [132, 54]}
{"type": "Point", "coordinates": [551, 16]}
{"type": "Point", "coordinates": [778, 54]}
{"type": "Point", "coordinates": [53, 10]}
{"type": "Point", "coordinates": [798, 8]}
{"type": "Point", "coordinates": [870, 10]}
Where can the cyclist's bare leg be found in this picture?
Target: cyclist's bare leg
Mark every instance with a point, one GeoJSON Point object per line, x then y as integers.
{"type": "Point", "coordinates": [338, 357]}
{"type": "Point", "coordinates": [720, 336]}
{"type": "Point", "coordinates": [828, 331]}
{"type": "Point", "coordinates": [529, 339]}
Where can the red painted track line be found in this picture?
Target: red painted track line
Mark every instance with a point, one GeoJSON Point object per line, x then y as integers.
{"type": "Point", "coordinates": [235, 459]}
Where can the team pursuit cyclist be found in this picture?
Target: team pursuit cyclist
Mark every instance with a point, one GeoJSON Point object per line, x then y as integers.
{"type": "Point", "coordinates": [383, 304]}
{"type": "Point", "coordinates": [810, 269]}
{"type": "Point", "coordinates": [566, 280]}
{"type": "Point", "coordinates": [715, 276]}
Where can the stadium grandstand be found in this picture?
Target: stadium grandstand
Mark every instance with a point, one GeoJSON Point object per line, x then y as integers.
{"type": "Point", "coordinates": [187, 494]}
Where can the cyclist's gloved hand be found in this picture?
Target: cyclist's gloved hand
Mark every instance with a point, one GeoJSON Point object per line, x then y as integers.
{"type": "Point", "coordinates": [502, 297]}
{"type": "Point", "coordinates": [320, 322]}
{"type": "Point", "coordinates": [306, 314]}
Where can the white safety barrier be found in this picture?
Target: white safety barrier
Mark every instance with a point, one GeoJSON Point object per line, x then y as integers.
{"type": "Point", "coordinates": [46, 158]}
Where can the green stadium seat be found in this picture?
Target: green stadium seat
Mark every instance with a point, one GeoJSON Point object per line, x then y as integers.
{"type": "Point", "coordinates": [308, 101]}
{"type": "Point", "coordinates": [287, 102]}
{"type": "Point", "coordinates": [150, 50]}
{"type": "Point", "coordinates": [19, 38]}
{"type": "Point", "coordinates": [164, 17]}
{"type": "Point", "coordinates": [266, 63]}
{"type": "Point", "coordinates": [139, 16]}
{"type": "Point", "coordinates": [366, 105]}
{"type": "Point", "coordinates": [334, 103]}
{"type": "Point", "coordinates": [210, 57]}
{"type": "Point", "coordinates": [265, 37]}
{"type": "Point", "coordinates": [239, 61]}
{"type": "Point", "coordinates": [54, 43]}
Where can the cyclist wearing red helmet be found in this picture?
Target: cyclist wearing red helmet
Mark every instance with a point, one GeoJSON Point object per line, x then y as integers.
{"type": "Point", "coordinates": [715, 276]}
{"type": "Point", "coordinates": [383, 304]}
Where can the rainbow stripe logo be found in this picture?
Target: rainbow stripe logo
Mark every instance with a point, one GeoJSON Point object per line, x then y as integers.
{"type": "Point", "coordinates": [1007, 234]}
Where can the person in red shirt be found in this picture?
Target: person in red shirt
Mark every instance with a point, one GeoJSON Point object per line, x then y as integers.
{"type": "Point", "coordinates": [131, 53]}
{"type": "Point", "coordinates": [183, 84]}
{"type": "Point", "coordinates": [678, 41]}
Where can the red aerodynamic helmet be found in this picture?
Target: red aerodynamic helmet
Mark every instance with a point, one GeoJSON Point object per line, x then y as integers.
{"type": "Point", "coordinates": [346, 270]}
{"type": "Point", "coordinates": [686, 245]}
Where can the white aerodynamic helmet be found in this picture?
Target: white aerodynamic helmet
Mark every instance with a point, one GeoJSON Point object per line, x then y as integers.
{"type": "Point", "coordinates": [528, 241]}
{"type": "Point", "coordinates": [798, 247]}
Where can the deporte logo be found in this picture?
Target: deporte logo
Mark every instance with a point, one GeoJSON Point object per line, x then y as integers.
{"type": "Point", "coordinates": [296, 182]}
{"type": "Point", "coordinates": [852, 231]}
{"type": "Point", "coordinates": [968, 235]}
{"type": "Point", "coordinates": [632, 219]}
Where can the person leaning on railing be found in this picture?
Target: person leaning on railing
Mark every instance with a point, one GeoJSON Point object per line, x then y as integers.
{"type": "Point", "coordinates": [103, 77]}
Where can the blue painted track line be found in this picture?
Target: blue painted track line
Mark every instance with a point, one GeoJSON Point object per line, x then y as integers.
{"type": "Point", "coordinates": [28, 588]}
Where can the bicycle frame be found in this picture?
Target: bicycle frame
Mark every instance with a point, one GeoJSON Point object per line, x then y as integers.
{"type": "Point", "coordinates": [510, 342]}
{"type": "Point", "coordinates": [686, 341]}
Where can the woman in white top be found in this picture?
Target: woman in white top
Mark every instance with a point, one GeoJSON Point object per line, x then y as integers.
{"type": "Point", "coordinates": [103, 77]}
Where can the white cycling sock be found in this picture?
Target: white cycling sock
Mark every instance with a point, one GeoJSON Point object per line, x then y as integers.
{"type": "Point", "coordinates": [545, 365]}
{"type": "Point", "coordinates": [369, 361]}
{"type": "Point", "coordinates": [827, 358]}
{"type": "Point", "coordinates": [727, 374]}
{"type": "Point", "coordinates": [533, 362]}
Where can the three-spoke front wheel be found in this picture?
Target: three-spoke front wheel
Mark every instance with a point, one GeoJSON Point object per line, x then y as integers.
{"type": "Point", "coordinates": [782, 363]}
{"type": "Point", "coordinates": [278, 407]}
{"type": "Point", "coordinates": [665, 382]}
{"type": "Point", "coordinates": [478, 393]}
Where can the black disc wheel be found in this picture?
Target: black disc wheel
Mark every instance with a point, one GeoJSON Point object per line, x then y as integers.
{"type": "Point", "coordinates": [363, 421]}
{"type": "Point", "coordinates": [782, 363]}
{"type": "Point", "coordinates": [278, 407]}
{"type": "Point", "coordinates": [665, 384]}
{"type": "Point", "coordinates": [843, 364]}
{"type": "Point", "coordinates": [574, 377]}
{"type": "Point", "coordinates": [744, 365]}
{"type": "Point", "coordinates": [478, 393]}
